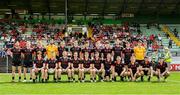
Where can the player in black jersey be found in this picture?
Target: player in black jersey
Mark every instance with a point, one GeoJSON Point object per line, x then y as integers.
{"type": "Point", "coordinates": [75, 48]}
{"type": "Point", "coordinates": [146, 69]}
{"type": "Point", "coordinates": [27, 59]}
{"type": "Point", "coordinates": [87, 49]}
{"type": "Point", "coordinates": [119, 68]}
{"type": "Point", "coordinates": [127, 53]}
{"type": "Point", "coordinates": [162, 70]}
{"type": "Point", "coordinates": [134, 69]}
{"type": "Point", "coordinates": [87, 65]}
{"type": "Point", "coordinates": [107, 49]}
{"type": "Point", "coordinates": [98, 49]}
{"type": "Point", "coordinates": [38, 66]}
{"type": "Point", "coordinates": [65, 64]}
{"type": "Point", "coordinates": [53, 68]}
{"type": "Point", "coordinates": [109, 68]}
{"type": "Point", "coordinates": [61, 49]}
{"type": "Point", "coordinates": [99, 66]}
{"type": "Point", "coordinates": [16, 55]}
{"type": "Point", "coordinates": [117, 49]}
{"type": "Point", "coordinates": [75, 65]}
{"type": "Point", "coordinates": [41, 49]}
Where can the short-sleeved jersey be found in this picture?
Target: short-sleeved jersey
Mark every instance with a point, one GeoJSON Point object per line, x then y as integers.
{"type": "Point", "coordinates": [60, 50]}
{"type": "Point", "coordinates": [39, 63]}
{"type": "Point", "coordinates": [75, 49]}
{"type": "Point", "coordinates": [64, 62]}
{"type": "Point", "coordinates": [16, 53]}
{"type": "Point", "coordinates": [75, 62]}
{"type": "Point", "coordinates": [87, 50]}
{"type": "Point", "coordinates": [86, 63]}
{"type": "Point", "coordinates": [139, 52]}
{"type": "Point", "coordinates": [107, 64]}
{"type": "Point", "coordinates": [52, 63]}
{"type": "Point", "coordinates": [43, 50]}
{"type": "Point", "coordinates": [117, 51]}
{"type": "Point", "coordinates": [106, 51]}
{"type": "Point", "coordinates": [119, 67]}
{"type": "Point", "coordinates": [51, 51]}
{"type": "Point", "coordinates": [127, 53]}
{"type": "Point", "coordinates": [146, 64]}
{"type": "Point", "coordinates": [162, 66]}
{"type": "Point", "coordinates": [133, 67]}
{"type": "Point", "coordinates": [97, 63]}
{"type": "Point", "coordinates": [27, 54]}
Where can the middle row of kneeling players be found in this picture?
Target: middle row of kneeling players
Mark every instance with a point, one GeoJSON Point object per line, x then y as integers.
{"type": "Point", "coordinates": [107, 69]}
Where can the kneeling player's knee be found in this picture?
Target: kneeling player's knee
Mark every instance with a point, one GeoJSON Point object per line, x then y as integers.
{"type": "Point", "coordinates": [128, 73]}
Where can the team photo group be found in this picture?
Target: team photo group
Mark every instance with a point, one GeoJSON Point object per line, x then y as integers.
{"type": "Point", "coordinates": [125, 60]}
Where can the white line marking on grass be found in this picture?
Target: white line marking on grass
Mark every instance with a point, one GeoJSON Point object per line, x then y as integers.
{"type": "Point", "coordinates": [91, 94]}
{"type": "Point", "coordinates": [173, 81]}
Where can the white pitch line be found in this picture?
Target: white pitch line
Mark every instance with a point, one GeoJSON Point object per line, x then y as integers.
{"type": "Point", "coordinates": [91, 94]}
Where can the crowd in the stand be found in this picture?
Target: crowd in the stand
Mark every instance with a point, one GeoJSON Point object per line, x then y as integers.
{"type": "Point", "coordinates": [112, 51]}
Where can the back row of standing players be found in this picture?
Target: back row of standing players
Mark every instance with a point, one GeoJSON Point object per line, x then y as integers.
{"type": "Point", "coordinates": [102, 60]}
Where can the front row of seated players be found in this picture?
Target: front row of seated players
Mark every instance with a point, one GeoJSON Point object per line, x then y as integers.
{"type": "Point", "coordinates": [106, 69]}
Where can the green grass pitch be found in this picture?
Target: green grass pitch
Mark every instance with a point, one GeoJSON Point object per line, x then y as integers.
{"type": "Point", "coordinates": [171, 86]}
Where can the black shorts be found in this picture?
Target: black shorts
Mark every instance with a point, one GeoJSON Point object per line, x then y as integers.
{"type": "Point", "coordinates": [146, 73]}
{"type": "Point", "coordinates": [16, 62]}
{"type": "Point", "coordinates": [27, 64]}
{"type": "Point", "coordinates": [107, 72]}
{"type": "Point", "coordinates": [140, 62]}
{"type": "Point", "coordinates": [118, 72]}
{"type": "Point", "coordinates": [127, 61]}
{"type": "Point", "coordinates": [134, 72]}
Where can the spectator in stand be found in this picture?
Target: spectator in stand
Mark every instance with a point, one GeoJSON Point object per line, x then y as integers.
{"type": "Point", "coordinates": [151, 38]}
{"type": "Point", "coordinates": [170, 43]}
{"type": "Point", "coordinates": [22, 43]}
{"type": "Point", "coordinates": [159, 39]}
{"type": "Point", "coordinates": [155, 46]}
